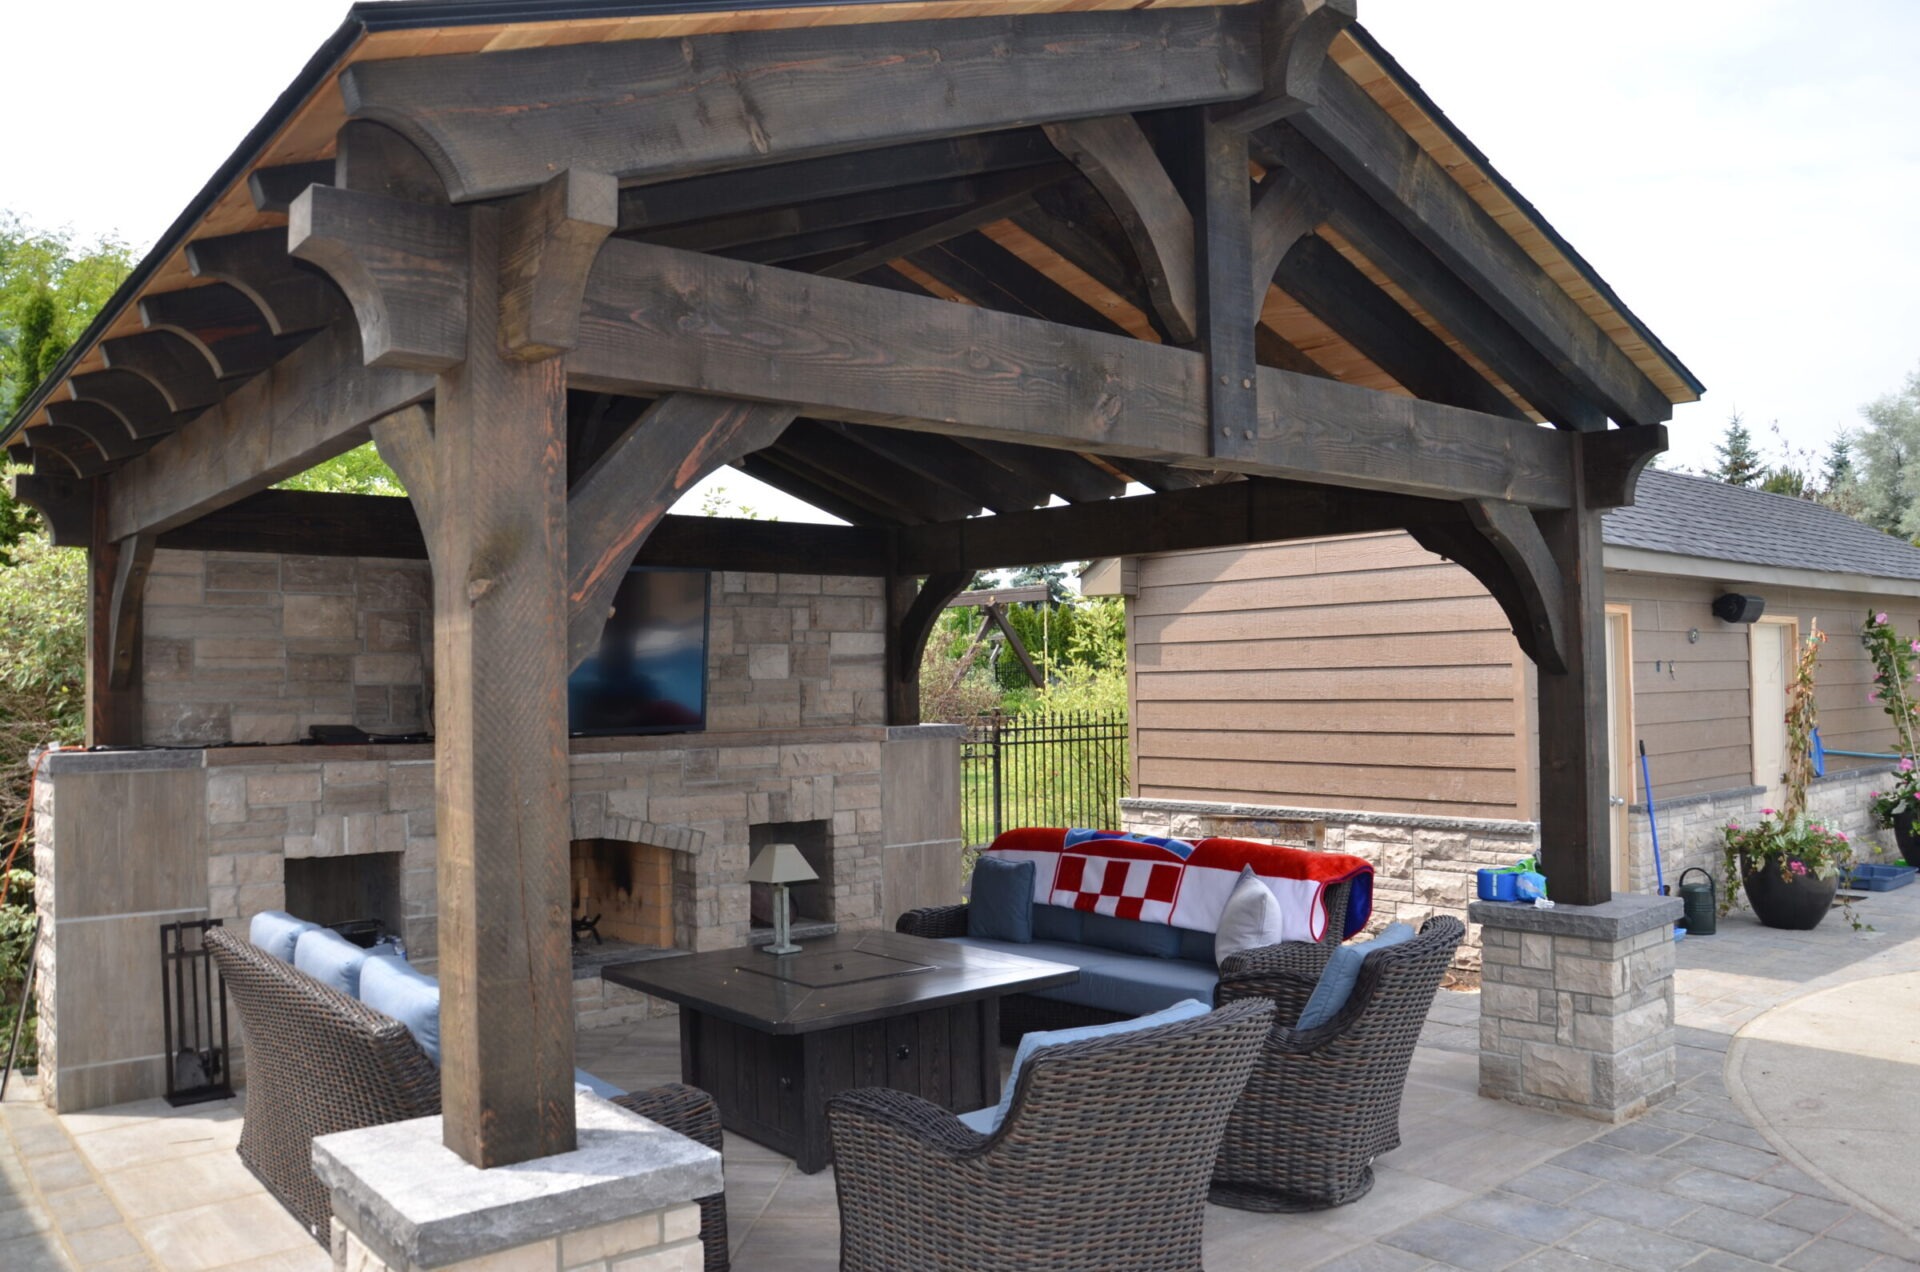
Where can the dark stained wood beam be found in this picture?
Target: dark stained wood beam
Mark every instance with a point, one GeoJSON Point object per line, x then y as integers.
{"type": "Point", "coordinates": [274, 189]}
{"type": "Point", "coordinates": [1157, 476]}
{"type": "Point", "coordinates": [1211, 162]}
{"type": "Point", "coordinates": [785, 475]}
{"type": "Point", "coordinates": [1576, 829]}
{"type": "Point", "coordinates": [946, 463]}
{"type": "Point", "coordinates": [617, 503]}
{"type": "Point", "coordinates": [1613, 461]}
{"type": "Point", "coordinates": [291, 296]}
{"type": "Point", "coordinates": [1115, 155]}
{"type": "Point", "coordinates": [1372, 149]}
{"type": "Point", "coordinates": [881, 481]}
{"type": "Point", "coordinates": [550, 236]}
{"type": "Point", "coordinates": [1074, 223]}
{"type": "Point", "coordinates": [1294, 36]}
{"type": "Point", "coordinates": [1017, 195]}
{"type": "Point", "coordinates": [64, 503]}
{"type": "Point", "coordinates": [130, 397]}
{"type": "Point", "coordinates": [133, 559]}
{"type": "Point", "coordinates": [313, 405]}
{"type": "Point", "coordinates": [772, 189]}
{"type": "Point", "coordinates": [174, 366]}
{"type": "Point", "coordinates": [45, 457]}
{"type": "Point", "coordinates": [659, 320]}
{"type": "Point", "coordinates": [987, 274]}
{"type": "Point", "coordinates": [1334, 290]}
{"type": "Point", "coordinates": [1072, 477]}
{"type": "Point", "coordinates": [113, 697]}
{"type": "Point", "coordinates": [229, 330]}
{"type": "Point", "coordinates": [1272, 350]}
{"type": "Point", "coordinates": [1435, 288]}
{"type": "Point", "coordinates": [913, 609]}
{"type": "Point", "coordinates": [69, 446]}
{"type": "Point", "coordinates": [647, 109]}
{"type": "Point", "coordinates": [1500, 545]}
{"type": "Point", "coordinates": [371, 158]}
{"type": "Point", "coordinates": [1258, 510]}
{"type": "Point", "coordinates": [402, 265]}
{"type": "Point", "coordinates": [107, 431]}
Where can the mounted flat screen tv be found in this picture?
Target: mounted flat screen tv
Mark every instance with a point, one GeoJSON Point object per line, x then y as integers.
{"type": "Point", "coordinates": [650, 673]}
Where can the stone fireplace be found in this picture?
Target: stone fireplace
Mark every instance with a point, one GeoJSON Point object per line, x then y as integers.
{"type": "Point", "coordinates": [348, 889]}
{"type": "Point", "coordinates": [623, 892]}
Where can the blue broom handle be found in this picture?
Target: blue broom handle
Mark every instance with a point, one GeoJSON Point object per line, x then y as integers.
{"type": "Point", "coordinates": [1653, 823]}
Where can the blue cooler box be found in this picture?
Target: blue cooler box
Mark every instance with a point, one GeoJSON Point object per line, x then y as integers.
{"type": "Point", "coordinates": [1498, 885]}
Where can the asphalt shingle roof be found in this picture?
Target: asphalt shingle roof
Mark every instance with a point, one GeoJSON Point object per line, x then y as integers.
{"type": "Point", "coordinates": [1700, 517]}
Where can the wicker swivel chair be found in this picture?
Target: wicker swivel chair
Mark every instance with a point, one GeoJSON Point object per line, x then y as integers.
{"type": "Point", "coordinates": [1100, 1166]}
{"type": "Point", "coordinates": [1322, 1103]}
{"type": "Point", "coordinates": [318, 1062]}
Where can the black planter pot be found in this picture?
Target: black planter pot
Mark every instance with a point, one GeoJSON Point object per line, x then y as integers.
{"type": "Point", "coordinates": [1903, 834]}
{"type": "Point", "coordinates": [1797, 903]}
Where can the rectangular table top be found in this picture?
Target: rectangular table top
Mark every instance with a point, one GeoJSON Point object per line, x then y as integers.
{"type": "Point", "coordinates": [843, 979]}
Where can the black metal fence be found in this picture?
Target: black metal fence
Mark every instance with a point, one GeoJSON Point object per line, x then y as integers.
{"type": "Point", "coordinates": [1064, 768]}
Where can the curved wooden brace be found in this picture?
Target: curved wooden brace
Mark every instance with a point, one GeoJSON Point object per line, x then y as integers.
{"type": "Point", "coordinates": [405, 442]}
{"type": "Point", "coordinates": [403, 266]}
{"type": "Point", "coordinates": [1501, 545]}
{"type": "Point", "coordinates": [1118, 159]}
{"type": "Point", "coordinates": [1285, 210]}
{"type": "Point", "coordinates": [133, 399]}
{"type": "Point", "coordinates": [291, 296]}
{"type": "Point", "coordinates": [64, 503]}
{"type": "Point", "coordinates": [912, 610]}
{"type": "Point", "coordinates": [616, 503]}
{"type": "Point", "coordinates": [73, 452]}
{"type": "Point", "coordinates": [227, 328]}
{"type": "Point", "coordinates": [548, 239]}
{"type": "Point", "coordinates": [171, 364]}
{"type": "Point", "coordinates": [1295, 36]}
{"type": "Point", "coordinates": [1611, 462]}
{"type": "Point", "coordinates": [131, 564]}
{"type": "Point", "coordinates": [274, 188]}
{"type": "Point", "coordinates": [105, 429]}
{"type": "Point", "coordinates": [375, 159]}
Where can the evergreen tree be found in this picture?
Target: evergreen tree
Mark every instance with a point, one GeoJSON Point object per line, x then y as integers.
{"type": "Point", "coordinates": [1889, 449]}
{"type": "Point", "coordinates": [1838, 469]}
{"type": "Point", "coordinates": [1739, 462]}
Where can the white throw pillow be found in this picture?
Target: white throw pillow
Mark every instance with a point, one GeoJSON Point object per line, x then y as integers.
{"type": "Point", "coordinates": [1250, 919]}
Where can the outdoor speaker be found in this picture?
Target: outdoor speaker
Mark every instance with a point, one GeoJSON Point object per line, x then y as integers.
{"type": "Point", "coordinates": [1735, 608]}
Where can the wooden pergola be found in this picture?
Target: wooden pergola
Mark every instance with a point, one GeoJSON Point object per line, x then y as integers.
{"type": "Point", "coordinates": [908, 262]}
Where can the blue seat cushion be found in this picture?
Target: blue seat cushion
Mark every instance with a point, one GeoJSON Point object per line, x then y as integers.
{"type": "Point", "coordinates": [1000, 905]}
{"type": "Point", "coordinates": [1342, 972]}
{"type": "Point", "coordinates": [332, 959]}
{"type": "Point", "coordinates": [1057, 923]}
{"type": "Point", "coordinates": [987, 1121]}
{"type": "Point", "coordinates": [1126, 984]}
{"type": "Point", "coordinates": [394, 987]}
{"type": "Point", "coordinates": [1131, 936]}
{"type": "Point", "coordinates": [275, 931]}
{"type": "Point", "coordinates": [584, 1081]}
{"type": "Point", "coordinates": [1196, 945]}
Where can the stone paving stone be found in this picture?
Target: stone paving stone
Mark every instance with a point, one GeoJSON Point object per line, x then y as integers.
{"type": "Point", "coordinates": [1556, 1260]}
{"type": "Point", "coordinates": [1641, 1137]}
{"type": "Point", "coordinates": [1460, 1245]}
{"type": "Point", "coordinates": [1865, 1230]}
{"type": "Point", "coordinates": [1374, 1258]}
{"type": "Point", "coordinates": [1731, 1192]}
{"type": "Point", "coordinates": [1810, 1214]}
{"type": "Point", "coordinates": [1728, 1159]}
{"type": "Point", "coordinates": [1740, 1234]}
{"type": "Point", "coordinates": [1794, 1179]}
{"type": "Point", "coordinates": [1674, 1119]}
{"type": "Point", "coordinates": [1825, 1254]}
{"type": "Point", "coordinates": [1549, 1183]}
{"type": "Point", "coordinates": [109, 1243]}
{"type": "Point", "coordinates": [1516, 1216]}
{"type": "Point", "coordinates": [1721, 1261]}
{"type": "Point", "coordinates": [77, 1209]}
{"type": "Point", "coordinates": [1632, 1204]}
{"type": "Point", "coordinates": [1610, 1163]}
{"type": "Point", "coordinates": [1628, 1246]}
{"type": "Point", "coordinates": [32, 1254]}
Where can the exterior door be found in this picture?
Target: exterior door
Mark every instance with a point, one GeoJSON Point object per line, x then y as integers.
{"type": "Point", "coordinates": [1620, 751]}
{"type": "Point", "coordinates": [1772, 642]}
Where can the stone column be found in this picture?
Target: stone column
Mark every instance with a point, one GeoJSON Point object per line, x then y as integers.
{"type": "Point", "coordinates": [625, 1199]}
{"type": "Point", "coordinates": [1576, 1005]}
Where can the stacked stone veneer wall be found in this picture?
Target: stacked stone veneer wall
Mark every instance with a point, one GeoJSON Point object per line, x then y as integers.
{"type": "Point", "coordinates": [1423, 866]}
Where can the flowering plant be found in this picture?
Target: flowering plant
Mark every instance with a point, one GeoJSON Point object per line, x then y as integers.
{"type": "Point", "coordinates": [1791, 845]}
{"type": "Point", "coordinates": [1893, 681]}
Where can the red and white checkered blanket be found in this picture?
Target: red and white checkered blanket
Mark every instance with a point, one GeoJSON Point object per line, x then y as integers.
{"type": "Point", "coordinates": [1158, 882]}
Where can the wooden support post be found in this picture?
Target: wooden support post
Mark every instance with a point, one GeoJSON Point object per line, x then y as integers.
{"type": "Point", "coordinates": [1575, 829]}
{"type": "Point", "coordinates": [1220, 193]}
{"type": "Point", "coordinates": [912, 610]}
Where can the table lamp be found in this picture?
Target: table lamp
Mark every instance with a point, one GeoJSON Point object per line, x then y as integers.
{"type": "Point", "coordinates": [780, 865]}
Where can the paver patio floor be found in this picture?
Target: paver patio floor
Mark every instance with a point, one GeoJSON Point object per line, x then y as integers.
{"type": "Point", "coordinates": [1475, 1185]}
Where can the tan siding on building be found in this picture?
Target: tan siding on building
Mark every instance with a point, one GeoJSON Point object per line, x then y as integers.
{"type": "Point", "coordinates": [1366, 673]}
{"type": "Point", "coordinates": [1361, 673]}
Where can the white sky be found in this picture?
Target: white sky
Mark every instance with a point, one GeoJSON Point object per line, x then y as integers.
{"type": "Point", "coordinates": [1745, 173]}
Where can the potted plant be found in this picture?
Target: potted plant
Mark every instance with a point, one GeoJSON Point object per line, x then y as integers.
{"type": "Point", "coordinates": [1790, 867]}
{"type": "Point", "coordinates": [1892, 680]}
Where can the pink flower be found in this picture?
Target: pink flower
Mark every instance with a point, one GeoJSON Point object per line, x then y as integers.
{"type": "Point", "coordinates": [1906, 764]}
{"type": "Point", "coordinates": [1873, 695]}
{"type": "Point", "coordinates": [1915, 646]}
{"type": "Point", "coordinates": [1796, 867]}
{"type": "Point", "coordinates": [1766, 812]}
{"type": "Point", "coordinates": [1841, 835]}
{"type": "Point", "coordinates": [1880, 617]}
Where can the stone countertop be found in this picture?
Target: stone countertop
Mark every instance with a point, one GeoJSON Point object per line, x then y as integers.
{"type": "Point", "coordinates": [1627, 914]}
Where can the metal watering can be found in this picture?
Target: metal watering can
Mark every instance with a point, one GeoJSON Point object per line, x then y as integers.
{"type": "Point", "coordinates": [1701, 902]}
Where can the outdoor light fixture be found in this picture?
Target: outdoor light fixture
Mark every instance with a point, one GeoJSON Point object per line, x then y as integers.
{"type": "Point", "coordinates": [780, 865]}
{"type": "Point", "coordinates": [1732, 607]}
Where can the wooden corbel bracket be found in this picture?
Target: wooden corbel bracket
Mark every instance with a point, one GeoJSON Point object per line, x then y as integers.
{"type": "Point", "coordinates": [403, 266]}
{"type": "Point", "coordinates": [548, 239]}
{"type": "Point", "coordinates": [1295, 36]}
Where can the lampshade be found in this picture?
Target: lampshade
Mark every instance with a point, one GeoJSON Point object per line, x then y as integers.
{"type": "Point", "coordinates": [780, 863]}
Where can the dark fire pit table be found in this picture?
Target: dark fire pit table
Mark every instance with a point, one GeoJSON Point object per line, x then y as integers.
{"type": "Point", "coordinates": [771, 1037]}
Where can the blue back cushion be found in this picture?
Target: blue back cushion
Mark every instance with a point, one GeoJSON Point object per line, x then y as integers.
{"type": "Point", "coordinates": [1196, 945]}
{"type": "Point", "coordinates": [1343, 972]}
{"type": "Point", "coordinates": [394, 987]}
{"type": "Point", "coordinates": [1130, 936]}
{"type": "Point", "coordinates": [332, 959]}
{"type": "Point", "coordinates": [1001, 906]}
{"type": "Point", "coordinates": [1057, 923]}
{"type": "Point", "coordinates": [275, 931]}
{"type": "Point", "coordinates": [987, 1121]}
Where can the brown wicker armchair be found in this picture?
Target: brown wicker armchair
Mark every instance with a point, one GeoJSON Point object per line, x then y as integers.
{"type": "Point", "coordinates": [1022, 1013]}
{"type": "Point", "coordinates": [318, 1062]}
{"type": "Point", "coordinates": [1100, 1166]}
{"type": "Point", "coordinates": [1322, 1103]}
